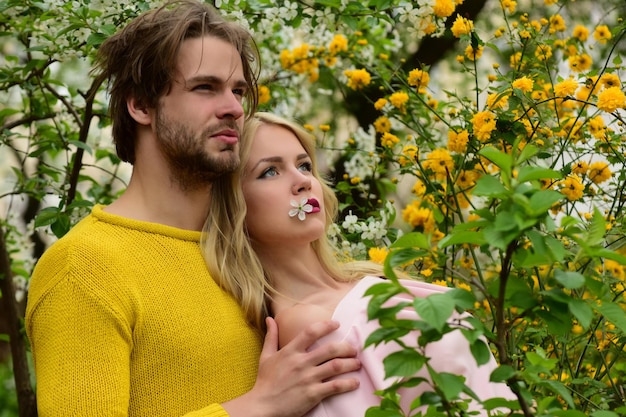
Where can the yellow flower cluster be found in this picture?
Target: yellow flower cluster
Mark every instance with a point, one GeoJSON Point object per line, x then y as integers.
{"type": "Point", "coordinates": [358, 78]}
{"type": "Point", "coordinates": [572, 187]}
{"type": "Point", "coordinates": [420, 218]}
{"type": "Point", "coordinates": [440, 163]}
{"type": "Point", "coordinates": [483, 123]}
{"type": "Point", "coordinates": [300, 62]}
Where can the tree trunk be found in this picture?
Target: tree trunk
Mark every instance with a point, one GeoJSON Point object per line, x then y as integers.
{"type": "Point", "coordinates": [25, 395]}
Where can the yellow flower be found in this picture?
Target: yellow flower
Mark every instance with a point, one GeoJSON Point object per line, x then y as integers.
{"type": "Point", "coordinates": [497, 101]}
{"type": "Point", "coordinates": [324, 128]}
{"type": "Point", "coordinates": [572, 187]}
{"type": "Point", "coordinates": [457, 142]}
{"type": "Point", "coordinates": [286, 59]}
{"type": "Point", "coordinates": [566, 88]}
{"type": "Point", "coordinates": [443, 8]}
{"type": "Point", "coordinates": [557, 24]}
{"type": "Point", "coordinates": [474, 54]}
{"type": "Point", "coordinates": [388, 140]}
{"type": "Point", "coordinates": [419, 188]}
{"type": "Point", "coordinates": [597, 127]}
{"type": "Point", "coordinates": [525, 84]}
{"type": "Point", "coordinates": [483, 124]}
{"type": "Point", "coordinates": [380, 103]}
{"type": "Point", "coordinates": [440, 162]}
{"type": "Point", "coordinates": [461, 26]}
{"type": "Point", "coordinates": [409, 155]}
{"type": "Point", "coordinates": [466, 180]}
{"type": "Point", "coordinates": [382, 124]}
{"type": "Point", "coordinates": [515, 59]}
{"type": "Point", "coordinates": [609, 80]}
{"type": "Point", "coordinates": [543, 52]}
{"type": "Point", "coordinates": [581, 33]}
{"type": "Point", "coordinates": [580, 63]}
{"type": "Point", "coordinates": [378, 255]}
{"type": "Point", "coordinates": [358, 78]}
{"type": "Point", "coordinates": [399, 100]}
{"type": "Point", "coordinates": [614, 268]}
{"type": "Point", "coordinates": [308, 127]}
{"type": "Point", "coordinates": [611, 99]}
{"type": "Point", "coordinates": [602, 34]}
{"type": "Point", "coordinates": [264, 94]}
{"type": "Point", "coordinates": [338, 44]}
{"type": "Point", "coordinates": [508, 4]}
{"type": "Point", "coordinates": [580, 167]}
{"type": "Point", "coordinates": [418, 78]}
{"type": "Point", "coordinates": [599, 172]}
{"type": "Point", "coordinates": [419, 217]}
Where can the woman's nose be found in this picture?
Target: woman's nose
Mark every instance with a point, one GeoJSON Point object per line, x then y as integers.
{"type": "Point", "coordinates": [303, 183]}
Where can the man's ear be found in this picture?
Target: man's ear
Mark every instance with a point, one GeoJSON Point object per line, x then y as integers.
{"type": "Point", "coordinates": [139, 111]}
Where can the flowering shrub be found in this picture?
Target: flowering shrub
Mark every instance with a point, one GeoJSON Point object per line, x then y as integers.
{"type": "Point", "coordinates": [498, 173]}
{"type": "Point", "coordinates": [517, 201]}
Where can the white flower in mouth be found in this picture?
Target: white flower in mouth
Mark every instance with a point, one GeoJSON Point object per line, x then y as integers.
{"type": "Point", "coordinates": [300, 209]}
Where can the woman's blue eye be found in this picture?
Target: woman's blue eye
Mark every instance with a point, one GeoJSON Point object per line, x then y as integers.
{"type": "Point", "coordinates": [269, 172]}
{"type": "Point", "coordinates": [306, 166]}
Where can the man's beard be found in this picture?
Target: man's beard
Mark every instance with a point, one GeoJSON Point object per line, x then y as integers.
{"type": "Point", "coordinates": [192, 165]}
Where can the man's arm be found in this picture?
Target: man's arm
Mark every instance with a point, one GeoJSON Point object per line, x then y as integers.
{"type": "Point", "coordinates": [293, 380]}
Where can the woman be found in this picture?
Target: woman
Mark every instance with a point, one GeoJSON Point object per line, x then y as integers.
{"type": "Point", "coordinates": [266, 243]}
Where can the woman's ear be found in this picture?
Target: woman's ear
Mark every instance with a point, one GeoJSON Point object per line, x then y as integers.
{"type": "Point", "coordinates": [138, 111]}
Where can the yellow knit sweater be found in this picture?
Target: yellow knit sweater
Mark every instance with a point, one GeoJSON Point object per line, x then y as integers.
{"type": "Point", "coordinates": [124, 320]}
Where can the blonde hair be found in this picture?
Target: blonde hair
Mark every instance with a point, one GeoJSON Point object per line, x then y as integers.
{"type": "Point", "coordinates": [227, 250]}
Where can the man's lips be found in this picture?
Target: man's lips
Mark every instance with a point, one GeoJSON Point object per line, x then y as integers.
{"type": "Point", "coordinates": [228, 136]}
{"type": "Point", "coordinates": [315, 204]}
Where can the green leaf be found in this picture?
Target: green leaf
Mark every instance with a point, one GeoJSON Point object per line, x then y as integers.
{"type": "Point", "coordinates": [500, 159]}
{"type": "Point", "coordinates": [613, 313]}
{"type": "Point", "coordinates": [81, 145]}
{"type": "Point", "coordinates": [527, 152]}
{"type": "Point", "coordinates": [46, 216]}
{"type": "Point", "coordinates": [489, 186]}
{"type": "Point", "coordinates": [531, 173]}
{"type": "Point", "coordinates": [560, 389]}
{"type": "Point", "coordinates": [403, 256]}
{"type": "Point", "coordinates": [450, 384]}
{"type": "Point", "coordinates": [456, 238]}
{"type": "Point", "coordinates": [405, 363]}
{"type": "Point", "coordinates": [597, 229]}
{"type": "Point", "coordinates": [569, 279]}
{"type": "Point", "coordinates": [480, 351]}
{"type": "Point", "coordinates": [539, 359]}
{"type": "Point", "coordinates": [435, 309]}
{"type": "Point", "coordinates": [502, 373]}
{"type": "Point", "coordinates": [582, 311]}
{"type": "Point", "coordinates": [412, 240]}
{"type": "Point", "coordinates": [543, 200]}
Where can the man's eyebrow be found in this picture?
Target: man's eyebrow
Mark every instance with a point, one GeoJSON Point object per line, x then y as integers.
{"type": "Point", "coordinates": [212, 79]}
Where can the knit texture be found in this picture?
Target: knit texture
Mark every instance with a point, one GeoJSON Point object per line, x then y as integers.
{"type": "Point", "coordinates": [124, 320]}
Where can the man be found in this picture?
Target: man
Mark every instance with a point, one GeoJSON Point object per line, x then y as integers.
{"type": "Point", "coordinates": [123, 317]}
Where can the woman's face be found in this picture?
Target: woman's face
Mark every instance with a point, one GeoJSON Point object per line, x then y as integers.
{"type": "Point", "coordinates": [277, 180]}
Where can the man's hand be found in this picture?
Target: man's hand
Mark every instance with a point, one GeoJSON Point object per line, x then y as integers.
{"type": "Point", "coordinates": [293, 380]}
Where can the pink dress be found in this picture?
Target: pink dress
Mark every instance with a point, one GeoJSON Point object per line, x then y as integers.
{"type": "Point", "coordinates": [450, 354]}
